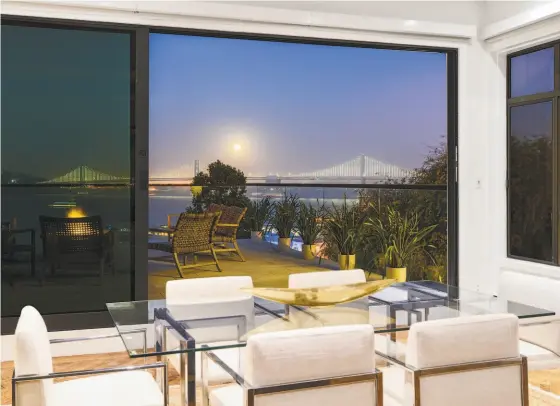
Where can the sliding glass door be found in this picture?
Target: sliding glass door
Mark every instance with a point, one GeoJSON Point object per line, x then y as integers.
{"type": "Point", "coordinates": [68, 100]}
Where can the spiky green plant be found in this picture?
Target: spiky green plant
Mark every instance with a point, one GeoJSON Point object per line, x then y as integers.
{"type": "Point", "coordinates": [282, 215]}
{"type": "Point", "coordinates": [258, 212]}
{"type": "Point", "coordinates": [343, 227]}
{"type": "Point", "coordinates": [309, 222]}
{"type": "Point", "coordinates": [399, 236]}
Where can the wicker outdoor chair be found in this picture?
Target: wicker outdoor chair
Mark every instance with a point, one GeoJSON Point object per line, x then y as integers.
{"type": "Point", "coordinates": [226, 231]}
{"type": "Point", "coordinates": [192, 234]}
{"type": "Point", "coordinates": [78, 239]}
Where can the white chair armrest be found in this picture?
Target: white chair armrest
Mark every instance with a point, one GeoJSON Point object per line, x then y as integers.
{"type": "Point", "coordinates": [543, 334]}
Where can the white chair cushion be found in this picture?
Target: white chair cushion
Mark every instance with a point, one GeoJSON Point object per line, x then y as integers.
{"type": "Point", "coordinates": [239, 310]}
{"type": "Point", "coordinates": [300, 355]}
{"type": "Point", "coordinates": [394, 381]}
{"type": "Point", "coordinates": [464, 340]}
{"type": "Point", "coordinates": [538, 291]}
{"type": "Point", "coordinates": [325, 278]}
{"type": "Point", "coordinates": [205, 290]}
{"type": "Point", "coordinates": [386, 346]}
{"type": "Point", "coordinates": [131, 388]}
{"type": "Point", "coordinates": [388, 400]}
{"type": "Point", "coordinates": [216, 375]}
{"type": "Point", "coordinates": [539, 357]}
{"type": "Point", "coordinates": [229, 395]}
{"type": "Point", "coordinates": [545, 335]}
{"type": "Point", "coordinates": [531, 290]}
{"type": "Point", "coordinates": [33, 357]}
{"type": "Point", "coordinates": [202, 298]}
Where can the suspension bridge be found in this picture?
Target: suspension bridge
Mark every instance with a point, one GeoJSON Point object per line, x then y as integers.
{"type": "Point", "coordinates": [361, 169]}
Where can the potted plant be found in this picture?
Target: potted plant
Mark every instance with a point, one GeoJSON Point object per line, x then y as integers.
{"type": "Point", "coordinates": [257, 214]}
{"type": "Point", "coordinates": [401, 239]}
{"type": "Point", "coordinates": [282, 217]}
{"type": "Point", "coordinates": [343, 230]}
{"type": "Point", "coordinates": [309, 223]}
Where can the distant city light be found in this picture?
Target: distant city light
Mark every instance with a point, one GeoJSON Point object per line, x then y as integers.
{"type": "Point", "coordinates": [236, 147]}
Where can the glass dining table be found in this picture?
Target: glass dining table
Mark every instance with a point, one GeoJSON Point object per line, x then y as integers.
{"type": "Point", "coordinates": [145, 325]}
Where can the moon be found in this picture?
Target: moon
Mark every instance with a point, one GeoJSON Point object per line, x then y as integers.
{"type": "Point", "coordinates": [236, 147]}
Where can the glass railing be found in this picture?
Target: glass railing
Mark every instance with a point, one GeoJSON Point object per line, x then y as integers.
{"type": "Point", "coordinates": [418, 215]}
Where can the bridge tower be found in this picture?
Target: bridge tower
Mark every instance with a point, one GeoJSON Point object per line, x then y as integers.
{"type": "Point", "coordinates": [363, 168]}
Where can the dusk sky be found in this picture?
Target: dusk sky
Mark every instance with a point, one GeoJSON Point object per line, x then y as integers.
{"type": "Point", "coordinates": [269, 107]}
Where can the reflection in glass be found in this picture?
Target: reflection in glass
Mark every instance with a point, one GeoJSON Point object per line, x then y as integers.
{"type": "Point", "coordinates": [66, 199]}
{"type": "Point", "coordinates": [532, 73]}
{"type": "Point", "coordinates": [530, 181]}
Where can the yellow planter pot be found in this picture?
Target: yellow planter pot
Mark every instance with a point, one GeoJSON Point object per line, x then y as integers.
{"type": "Point", "coordinates": [196, 190]}
{"type": "Point", "coordinates": [399, 274]}
{"type": "Point", "coordinates": [284, 244]}
{"type": "Point", "coordinates": [308, 252]}
{"type": "Point", "coordinates": [347, 261]}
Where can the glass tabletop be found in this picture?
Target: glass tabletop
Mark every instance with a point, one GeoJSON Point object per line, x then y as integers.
{"type": "Point", "coordinates": [218, 325]}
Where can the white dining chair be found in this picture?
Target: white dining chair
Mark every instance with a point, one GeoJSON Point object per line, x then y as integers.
{"type": "Point", "coordinates": [327, 366]}
{"type": "Point", "coordinates": [539, 336]}
{"type": "Point", "coordinates": [464, 361]}
{"type": "Point", "coordinates": [195, 302]}
{"type": "Point", "coordinates": [357, 313]}
{"type": "Point", "coordinates": [33, 380]}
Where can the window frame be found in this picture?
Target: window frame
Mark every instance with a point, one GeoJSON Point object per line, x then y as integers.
{"type": "Point", "coordinates": [138, 168]}
{"type": "Point", "coordinates": [140, 146]}
{"type": "Point", "coordinates": [554, 97]}
{"type": "Point", "coordinates": [452, 186]}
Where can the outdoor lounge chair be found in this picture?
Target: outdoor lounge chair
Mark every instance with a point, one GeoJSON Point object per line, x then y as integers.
{"type": "Point", "coordinates": [193, 234]}
{"type": "Point", "coordinates": [226, 230]}
{"type": "Point", "coordinates": [67, 240]}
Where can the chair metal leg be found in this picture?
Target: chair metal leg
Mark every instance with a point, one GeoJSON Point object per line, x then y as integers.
{"type": "Point", "coordinates": [188, 373]}
{"type": "Point", "coordinates": [178, 264]}
{"type": "Point", "coordinates": [215, 259]}
{"type": "Point", "coordinates": [204, 378]}
{"type": "Point", "coordinates": [238, 251]}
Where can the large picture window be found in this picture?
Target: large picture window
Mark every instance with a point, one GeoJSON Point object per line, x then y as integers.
{"type": "Point", "coordinates": [323, 123]}
{"type": "Point", "coordinates": [533, 155]}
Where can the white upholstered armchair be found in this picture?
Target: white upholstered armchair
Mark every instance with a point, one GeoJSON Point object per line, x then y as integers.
{"type": "Point", "coordinates": [33, 381]}
{"type": "Point", "coordinates": [327, 366]}
{"type": "Point", "coordinates": [540, 337]}
{"type": "Point", "coordinates": [193, 300]}
{"type": "Point", "coordinates": [463, 361]}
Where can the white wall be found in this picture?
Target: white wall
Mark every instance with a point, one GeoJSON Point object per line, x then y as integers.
{"type": "Point", "coordinates": [495, 234]}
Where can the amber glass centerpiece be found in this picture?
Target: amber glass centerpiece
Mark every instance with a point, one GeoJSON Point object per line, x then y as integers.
{"type": "Point", "coordinates": [322, 296]}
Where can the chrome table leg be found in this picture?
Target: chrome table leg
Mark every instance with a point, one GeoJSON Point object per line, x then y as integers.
{"type": "Point", "coordinates": [188, 372]}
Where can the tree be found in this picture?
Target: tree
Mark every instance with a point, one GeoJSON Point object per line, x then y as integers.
{"type": "Point", "coordinates": [530, 197]}
{"type": "Point", "coordinates": [429, 205]}
{"type": "Point", "coordinates": [222, 184]}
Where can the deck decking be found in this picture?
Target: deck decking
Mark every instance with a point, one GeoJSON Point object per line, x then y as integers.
{"type": "Point", "coordinates": [268, 267]}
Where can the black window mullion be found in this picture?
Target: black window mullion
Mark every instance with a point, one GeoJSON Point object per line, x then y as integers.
{"type": "Point", "coordinates": [557, 67]}
{"type": "Point", "coordinates": [555, 173]}
{"type": "Point", "coordinates": [524, 100]}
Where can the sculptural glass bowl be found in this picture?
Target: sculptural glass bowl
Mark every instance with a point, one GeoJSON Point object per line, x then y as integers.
{"type": "Point", "coordinates": [320, 296]}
